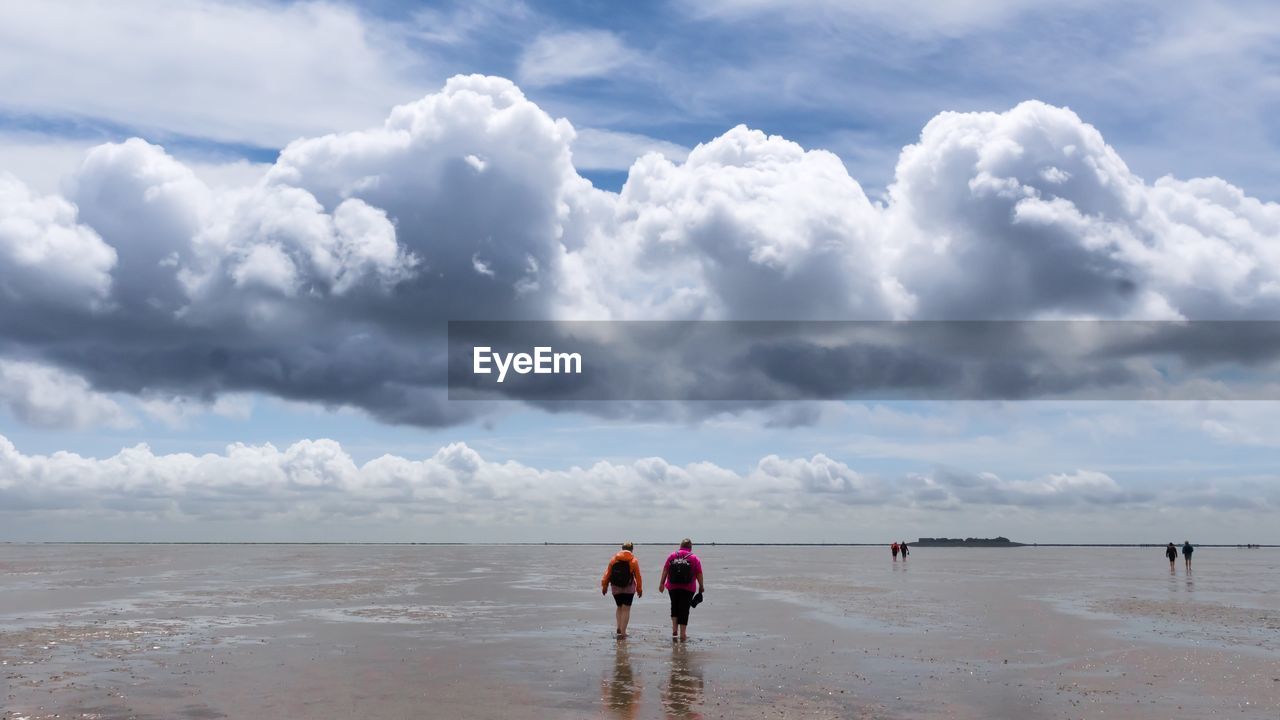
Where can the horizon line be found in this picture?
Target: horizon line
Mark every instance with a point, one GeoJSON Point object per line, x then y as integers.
{"type": "Point", "coordinates": [1013, 544]}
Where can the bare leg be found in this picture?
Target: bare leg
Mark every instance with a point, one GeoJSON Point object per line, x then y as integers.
{"type": "Point", "coordinates": [684, 633]}
{"type": "Point", "coordinates": [673, 628]}
{"type": "Point", "coordinates": [624, 618]}
{"type": "Point", "coordinates": [618, 621]}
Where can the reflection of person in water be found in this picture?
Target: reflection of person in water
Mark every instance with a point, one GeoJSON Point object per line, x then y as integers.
{"type": "Point", "coordinates": [682, 695]}
{"type": "Point", "coordinates": [621, 691]}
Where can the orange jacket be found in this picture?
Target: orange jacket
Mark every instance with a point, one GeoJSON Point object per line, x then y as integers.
{"type": "Point", "coordinates": [625, 556]}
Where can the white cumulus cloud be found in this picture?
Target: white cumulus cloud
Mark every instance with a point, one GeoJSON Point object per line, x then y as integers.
{"type": "Point", "coordinates": [47, 255]}
{"type": "Point", "coordinates": [322, 279]}
{"type": "Point", "coordinates": [47, 397]}
{"type": "Point", "coordinates": [314, 480]}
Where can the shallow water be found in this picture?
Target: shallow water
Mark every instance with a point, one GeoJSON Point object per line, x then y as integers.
{"type": "Point", "coordinates": [248, 631]}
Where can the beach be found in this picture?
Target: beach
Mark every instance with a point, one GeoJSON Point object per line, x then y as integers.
{"type": "Point", "coordinates": [511, 632]}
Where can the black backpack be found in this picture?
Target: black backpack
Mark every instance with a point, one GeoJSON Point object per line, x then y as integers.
{"type": "Point", "coordinates": [680, 570]}
{"type": "Point", "coordinates": [620, 573]}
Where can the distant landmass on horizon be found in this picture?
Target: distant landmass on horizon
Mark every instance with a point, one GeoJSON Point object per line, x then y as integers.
{"type": "Point", "coordinates": [967, 542]}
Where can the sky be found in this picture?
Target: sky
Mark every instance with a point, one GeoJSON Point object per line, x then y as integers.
{"type": "Point", "coordinates": [231, 234]}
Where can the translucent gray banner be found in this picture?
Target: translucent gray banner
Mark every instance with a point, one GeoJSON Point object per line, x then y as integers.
{"type": "Point", "coordinates": [915, 360]}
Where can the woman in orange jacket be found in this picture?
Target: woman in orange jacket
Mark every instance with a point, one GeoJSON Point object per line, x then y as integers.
{"type": "Point", "coordinates": [622, 576]}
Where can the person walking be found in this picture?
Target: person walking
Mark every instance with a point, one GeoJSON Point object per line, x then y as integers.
{"type": "Point", "coordinates": [682, 576]}
{"type": "Point", "coordinates": [1187, 549]}
{"type": "Point", "coordinates": [622, 577]}
{"type": "Point", "coordinates": [902, 547]}
{"type": "Point", "coordinates": [894, 549]}
{"type": "Point", "coordinates": [1171, 552]}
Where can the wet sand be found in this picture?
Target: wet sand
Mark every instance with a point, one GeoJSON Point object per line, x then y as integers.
{"type": "Point", "coordinates": [522, 632]}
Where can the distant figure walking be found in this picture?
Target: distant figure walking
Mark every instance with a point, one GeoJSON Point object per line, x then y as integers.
{"type": "Point", "coordinates": [622, 576]}
{"type": "Point", "coordinates": [1171, 552]}
{"type": "Point", "coordinates": [894, 549]}
{"type": "Point", "coordinates": [682, 575]}
{"type": "Point", "coordinates": [903, 548]}
{"type": "Point", "coordinates": [1187, 549]}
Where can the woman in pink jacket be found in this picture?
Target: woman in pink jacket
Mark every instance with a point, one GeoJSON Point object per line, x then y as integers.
{"type": "Point", "coordinates": [682, 575]}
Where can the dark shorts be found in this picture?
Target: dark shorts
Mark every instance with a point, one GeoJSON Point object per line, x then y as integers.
{"type": "Point", "coordinates": [680, 600]}
{"type": "Point", "coordinates": [623, 599]}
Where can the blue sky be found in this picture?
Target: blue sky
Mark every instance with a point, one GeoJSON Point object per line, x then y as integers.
{"type": "Point", "coordinates": [1184, 90]}
{"type": "Point", "coordinates": [171, 236]}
